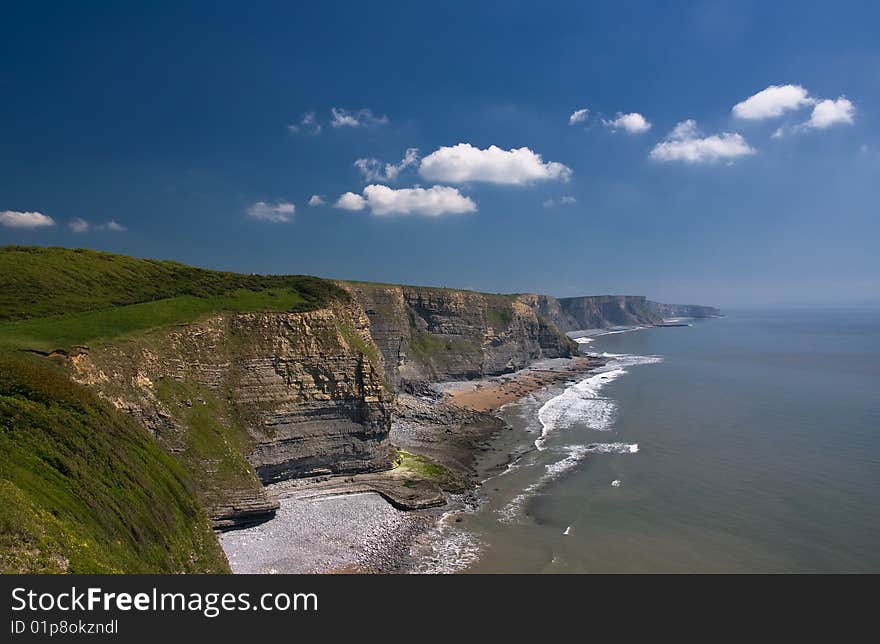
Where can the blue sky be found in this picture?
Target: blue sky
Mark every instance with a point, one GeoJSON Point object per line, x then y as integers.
{"type": "Point", "coordinates": [164, 130]}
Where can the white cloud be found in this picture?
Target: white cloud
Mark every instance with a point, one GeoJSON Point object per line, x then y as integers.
{"type": "Point", "coordinates": [463, 163]}
{"type": "Point", "coordinates": [684, 130]}
{"type": "Point", "coordinates": [374, 170]}
{"type": "Point", "coordinates": [633, 123]}
{"type": "Point", "coordinates": [435, 201]}
{"type": "Point", "coordinates": [350, 201]}
{"type": "Point", "coordinates": [778, 99]}
{"type": "Point", "coordinates": [116, 227]}
{"type": "Point", "coordinates": [15, 219]}
{"type": "Point", "coordinates": [578, 116]}
{"type": "Point", "coordinates": [308, 124]}
{"type": "Point", "coordinates": [431, 202]}
{"type": "Point", "coordinates": [78, 225]}
{"type": "Point", "coordinates": [562, 201]}
{"type": "Point", "coordinates": [684, 143]}
{"type": "Point", "coordinates": [772, 102]}
{"type": "Point", "coordinates": [316, 200]}
{"type": "Point", "coordinates": [279, 212]}
{"type": "Point", "coordinates": [830, 112]}
{"type": "Point", "coordinates": [359, 118]}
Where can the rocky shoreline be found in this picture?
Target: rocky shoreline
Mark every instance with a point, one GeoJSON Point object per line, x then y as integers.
{"type": "Point", "coordinates": [384, 522]}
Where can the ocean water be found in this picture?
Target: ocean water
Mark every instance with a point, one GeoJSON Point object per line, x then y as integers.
{"type": "Point", "coordinates": [749, 443]}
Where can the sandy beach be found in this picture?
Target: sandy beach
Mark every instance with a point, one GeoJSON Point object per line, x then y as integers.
{"type": "Point", "coordinates": [493, 393]}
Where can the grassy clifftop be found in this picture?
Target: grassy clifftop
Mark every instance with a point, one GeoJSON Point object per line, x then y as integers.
{"type": "Point", "coordinates": [58, 297]}
{"type": "Point", "coordinates": [85, 489]}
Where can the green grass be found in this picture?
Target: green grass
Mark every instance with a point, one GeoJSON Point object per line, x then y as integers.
{"type": "Point", "coordinates": [64, 331]}
{"type": "Point", "coordinates": [422, 467]}
{"type": "Point", "coordinates": [356, 342]}
{"type": "Point", "coordinates": [499, 317]}
{"type": "Point", "coordinates": [429, 346]}
{"type": "Point", "coordinates": [84, 489]}
{"type": "Point", "coordinates": [212, 446]}
{"type": "Point", "coordinates": [39, 282]}
{"type": "Point", "coordinates": [58, 297]}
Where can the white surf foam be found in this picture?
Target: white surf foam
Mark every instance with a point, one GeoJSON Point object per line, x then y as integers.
{"type": "Point", "coordinates": [574, 455]}
{"type": "Point", "coordinates": [581, 403]}
{"type": "Point", "coordinates": [448, 549]}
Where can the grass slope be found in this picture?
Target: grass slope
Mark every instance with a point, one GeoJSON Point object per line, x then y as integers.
{"type": "Point", "coordinates": [58, 297]}
{"type": "Point", "coordinates": [85, 489]}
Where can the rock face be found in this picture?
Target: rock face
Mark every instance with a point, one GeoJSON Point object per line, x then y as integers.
{"type": "Point", "coordinates": [684, 310]}
{"type": "Point", "coordinates": [246, 399]}
{"type": "Point", "coordinates": [443, 334]}
{"type": "Point", "coordinates": [595, 311]}
{"type": "Point", "coordinates": [603, 311]}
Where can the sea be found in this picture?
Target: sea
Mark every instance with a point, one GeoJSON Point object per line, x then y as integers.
{"type": "Point", "coordinates": [747, 443]}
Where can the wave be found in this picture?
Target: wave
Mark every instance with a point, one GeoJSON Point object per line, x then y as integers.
{"type": "Point", "coordinates": [446, 548]}
{"type": "Point", "coordinates": [582, 404]}
{"type": "Point", "coordinates": [451, 551]}
{"type": "Point", "coordinates": [574, 455]}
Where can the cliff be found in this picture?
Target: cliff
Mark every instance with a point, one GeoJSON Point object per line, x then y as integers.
{"type": "Point", "coordinates": [246, 399]}
{"type": "Point", "coordinates": [603, 311]}
{"type": "Point", "coordinates": [235, 381]}
{"type": "Point", "coordinates": [85, 489]}
{"type": "Point", "coordinates": [434, 334]}
{"type": "Point", "coordinates": [684, 310]}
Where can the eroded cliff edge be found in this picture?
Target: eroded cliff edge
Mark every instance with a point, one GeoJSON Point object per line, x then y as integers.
{"type": "Point", "coordinates": [248, 380]}
{"type": "Point", "coordinates": [247, 399]}
{"type": "Point", "coordinates": [250, 398]}
{"type": "Point", "coordinates": [602, 311]}
{"type": "Point", "coordinates": [430, 334]}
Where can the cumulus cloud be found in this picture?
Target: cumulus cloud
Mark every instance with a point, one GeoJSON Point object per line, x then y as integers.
{"type": "Point", "coordinates": [562, 201]}
{"type": "Point", "coordinates": [78, 225]}
{"type": "Point", "coordinates": [464, 163]}
{"type": "Point", "coordinates": [825, 114]}
{"type": "Point", "coordinates": [830, 112]}
{"type": "Point", "coordinates": [633, 123]}
{"type": "Point", "coordinates": [776, 100]}
{"type": "Point", "coordinates": [435, 201]}
{"type": "Point", "coordinates": [374, 170]}
{"type": "Point", "coordinates": [308, 124]}
{"type": "Point", "coordinates": [579, 116]}
{"type": "Point", "coordinates": [115, 226]}
{"type": "Point", "coordinates": [772, 102]}
{"type": "Point", "coordinates": [358, 118]}
{"type": "Point", "coordinates": [15, 219]}
{"type": "Point", "coordinates": [316, 200]}
{"type": "Point", "coordinates": [279, 212]}
{"type": "Point", "coordinates": [350, 201]}
{"type": "Point", "coordinates": [686, 144]}
{"type": "Point", "coordinates": [431, 202]}
{"type": "Point", "coordinates": [684, 130]}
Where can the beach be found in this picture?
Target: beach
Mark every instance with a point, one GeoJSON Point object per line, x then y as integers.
{"type": "Point", "coordinates": [326, 533]}
{"type": "Point", "coordinates": [383, 522]}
